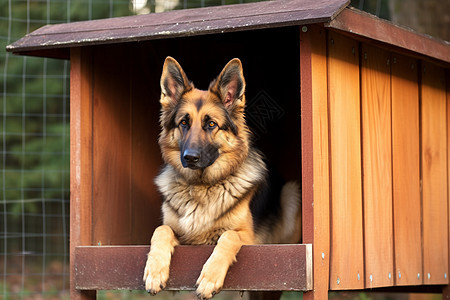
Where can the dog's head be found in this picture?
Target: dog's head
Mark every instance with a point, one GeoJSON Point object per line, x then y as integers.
{"type": "Point", "coordinates": [204, 135]}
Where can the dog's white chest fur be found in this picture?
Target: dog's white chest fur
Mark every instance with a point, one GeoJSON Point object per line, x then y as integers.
{"type": "Point", "coordinates": [193, 210]}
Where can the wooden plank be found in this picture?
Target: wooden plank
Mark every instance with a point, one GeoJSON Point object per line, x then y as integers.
{"type": "Point", "coordinates": [446, 290]}
{"type": "Point", "coordinates": [320, 162]}
{"type": "Point", "coordinates": [181, 23]}
{"type": "Point", "coordinates": [377, 176]}
{"type": "Point", "coordinates": [80, 159]}
{"type": "Point", "coordinates": [307, 147]}
{"type": "Point", "coordinates": [434, 175]}
{"type": "Point", "coordinates": [406, 171]}
{"type": "Point", "coordinates": [146, 65]}
{"type": "Point", "coordinates": [313, 76]}
{"type": "Point", "coordinates": [307, 141]}
{"type": "Point", "coordinates": [347, 256]}
{"type": "Point", "coordinates": [111, 147]}
{"type": "Point", "coordinates": [262, 267]}
{"type": "Point", "coordinates": [368, 26]}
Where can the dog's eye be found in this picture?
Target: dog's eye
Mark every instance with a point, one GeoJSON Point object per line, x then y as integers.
{"type": "Point", "coordinates": [183, 123]}
{"type": "Point", "coordinates": [212, 124]}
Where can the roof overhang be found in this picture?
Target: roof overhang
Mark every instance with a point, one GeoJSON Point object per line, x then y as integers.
{"type": "Point", "coordinates": [367, 26]}
{"type": "Point", "coordinates": [56, 40]}
{"type": "Point", "coordinates": [178, 23]}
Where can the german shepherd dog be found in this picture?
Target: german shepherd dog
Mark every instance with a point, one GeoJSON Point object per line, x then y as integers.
{"type": "Point", "coordinates": [215, 185]}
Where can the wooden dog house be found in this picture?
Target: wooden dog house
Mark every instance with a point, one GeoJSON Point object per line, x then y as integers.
{"type": "Point", "coordinates": [355, 108]}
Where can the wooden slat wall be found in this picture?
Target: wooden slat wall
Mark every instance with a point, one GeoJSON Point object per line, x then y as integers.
{"type": "Point", "coordinates": [146, 158]}
{"type": "Point", "coordinates": [111, 148]}
{"type": "Point", "coordinates": [388, 135]}
{"type": "Point", "coordinates": [126, 155]}
{"type": "Point", "coordinates": [377, 170]}
{"type": "Point", "coordinates": [434, 174]}
{"type": "Point", "coordinates": [406, 171]}
{"type": "Point", "coordinates": [347, 257]}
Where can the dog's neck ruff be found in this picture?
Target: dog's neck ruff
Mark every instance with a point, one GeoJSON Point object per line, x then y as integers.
{"type": "Point", "coordinates": [198, 207]}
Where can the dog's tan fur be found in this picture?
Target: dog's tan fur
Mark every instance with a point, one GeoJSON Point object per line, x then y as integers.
{"type": "Point", "coordinates": [211, 205]}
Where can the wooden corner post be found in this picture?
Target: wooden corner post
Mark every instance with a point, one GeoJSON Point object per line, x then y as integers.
{"type": "Point", "coordinates": [315, 162]}
{"type": "Point", "coordinates": [80, 159]}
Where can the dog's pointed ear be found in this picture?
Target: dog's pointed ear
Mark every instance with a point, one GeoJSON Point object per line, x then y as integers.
{"type": "Point", "coordinates": [230, 85]}
{"type": "Point", "coordinates": [174, 82]}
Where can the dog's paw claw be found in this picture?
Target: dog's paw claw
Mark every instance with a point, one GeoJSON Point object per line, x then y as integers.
{"type": "Point", "coordinates": [155, 277]}
{"type": "Point", "coordinates": [153, 285]}
{"type": "Point", "coordinates": [207, 289]}
{"type": "Point", "coordinates": [152, 292]}
{"type": "Point", "coordinates": [203, 297]}
{"type": "Point", "coordinates": [211, 279]}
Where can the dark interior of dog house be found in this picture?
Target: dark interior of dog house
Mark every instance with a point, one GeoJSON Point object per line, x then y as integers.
{"type": "Point", "coordinates": [129, 116]}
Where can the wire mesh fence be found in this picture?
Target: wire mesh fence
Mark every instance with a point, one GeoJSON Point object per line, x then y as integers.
{"type": "Point", "coordinates": [34, 205]}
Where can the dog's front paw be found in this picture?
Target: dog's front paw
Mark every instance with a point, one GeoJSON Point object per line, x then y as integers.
{"type": "Point", "coordinates": [156, 274]}
{"type": "Point", "coordinates": [211, 279]}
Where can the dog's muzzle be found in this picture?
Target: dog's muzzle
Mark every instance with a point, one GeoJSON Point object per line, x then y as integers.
{"type": "Point", "coordinates": [195, 158]}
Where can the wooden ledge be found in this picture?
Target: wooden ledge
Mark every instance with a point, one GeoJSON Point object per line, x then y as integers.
{"type": "Point", "coordinates": [258, 267]}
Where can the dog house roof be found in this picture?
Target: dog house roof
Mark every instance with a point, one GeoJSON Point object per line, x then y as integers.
{"type": "Point", "coordinates": [56, 40]}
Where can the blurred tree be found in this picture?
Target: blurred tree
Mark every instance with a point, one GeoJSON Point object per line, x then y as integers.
{"type": "Point", "coordinates": [379, 8]}
{"type": "Point", "coordinates": [430, 17]}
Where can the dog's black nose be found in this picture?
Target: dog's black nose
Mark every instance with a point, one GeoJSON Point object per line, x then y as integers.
{"type": "Point", "coordinates": [198, 158]}
{"type": "Point", "coordinates": [191, 156]}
